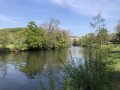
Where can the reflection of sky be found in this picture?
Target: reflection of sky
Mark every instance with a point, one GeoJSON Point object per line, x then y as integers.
{"type": "Point", "coordinates": [2, 69]}
{"type": "Point", "coordinates": [76, 52]}
{"type": "Point", "coordinates": [16, 80]}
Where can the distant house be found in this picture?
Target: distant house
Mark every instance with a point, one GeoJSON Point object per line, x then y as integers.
{"type": "Point", "coordinates": [75, 37]}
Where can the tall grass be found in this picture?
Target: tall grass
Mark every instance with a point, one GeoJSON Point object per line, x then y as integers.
{"type": "Point", "coordinates": [89, 73]}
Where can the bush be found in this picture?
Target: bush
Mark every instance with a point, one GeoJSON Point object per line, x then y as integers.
{"type": "Point", "coordinates": [90, 73]}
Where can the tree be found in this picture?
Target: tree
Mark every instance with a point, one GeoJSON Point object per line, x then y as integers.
{"type": "Point", "coordinates": [91, 39]}
{"type": "Point", "coordinates": [101, 31]}
{"type": "Point", "coordinates": [35, 37]}
{"type": "Point", "coordinates": [98, 22]}
{"type": "Point", "coordinates": [88, 40]}
{"type": "Point", "coordinates": [56, 38]}
{"type": "Point", "coordinates": [3, 38]}
{"type": "Point", "coordinates": [117, 28]}
{"type": "Point", "coordinates": [51, 26]}
{"type": "Point", "coordinates": [102, 36]}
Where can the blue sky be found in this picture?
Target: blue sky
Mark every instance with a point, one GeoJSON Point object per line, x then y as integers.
{"type": "Point", "coordinates": [75, 15]}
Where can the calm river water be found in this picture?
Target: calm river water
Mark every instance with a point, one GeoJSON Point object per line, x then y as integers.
{"type": "Point", "coordinates": [22, 71]}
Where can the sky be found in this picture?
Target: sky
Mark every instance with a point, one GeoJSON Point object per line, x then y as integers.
{"type": "Point", "coordinates": [74, 15]}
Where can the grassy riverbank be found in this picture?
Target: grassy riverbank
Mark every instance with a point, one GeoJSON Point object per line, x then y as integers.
{"type": "Point", "coordinates": [115, 80]}
{"type": "Point", "coordinates": [9, 47]}
{"type": "Point", "coordinates": [115, 56]}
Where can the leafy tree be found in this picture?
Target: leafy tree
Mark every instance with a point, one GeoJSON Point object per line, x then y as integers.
{"type": "Point", "coordinates": [102, 36]}
{"type": "Point", "coordinates": [51, 26]}
{"type": "Point", "coordinates": [117, 39]}
{"type": "Point", "coordinates": [66, 38]}
{"type": "Point", "coordinates": [56, 38]}
{"type": "Point", "coordinates": [98, 22]}
{"type": "Point", "coordinates": [84, 41]}
{"type": "Point", "coordinates": [3, 38]}
{"type": "Point", "coordinates": [91, 39]}
{"type": "Point", "coordinates": [88, 40]}
{"type": "Point", "coordinates": [34, 37]}
{"type": "Point", "coordinates": [101, 31]}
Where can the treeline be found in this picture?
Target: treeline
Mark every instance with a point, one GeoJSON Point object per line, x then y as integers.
{"type": "Point", "coordinates": [46, 36]}
{"type": "Point", "coordinates": [101, 35]}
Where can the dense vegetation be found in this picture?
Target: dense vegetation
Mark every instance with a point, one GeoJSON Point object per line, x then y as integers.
{"type": "Point", "coordinates": [47, 36]}
{"type": "Point", "coordinates": [90, 74]}
{"type": "Point", "coordinates": [100, 36]}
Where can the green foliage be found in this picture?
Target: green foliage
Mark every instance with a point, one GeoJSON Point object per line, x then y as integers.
{"type": "Point", "coordinates": [102, 37]}
{"type": "Point", "coordinates": [91, 73]}
{"type": "Point", "coordinates": [56, 38]}
{"type": "Point", "coordinates": [13, 30]}
{"type": "Point", "coordinates": [98, 22]}
{"type": "Point", "coordinates": [88, 40]}
{"type": "Point", "coordinates": [117, 38]}
{"type": "Point", "coordinates": [118, 27]}
{"type": "Point", "coordinates": [3, 38]}
{"type": "Point", "coordinates": [35, 37]}
{"type": "Point", "coordinates": [99, 37]}
{"type": "Point", "coordinates": [48, 36]}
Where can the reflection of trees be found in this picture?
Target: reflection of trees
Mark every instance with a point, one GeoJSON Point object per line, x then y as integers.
{"type": "Point", "coordinates": [2, 67]}
{"type": "Point", "coordinates": [53, 65]}
{"type": "Point", "coordinates": [34, 64]}
{"type": "Point", "coordinates": [54, 58]}
{"type": "Point", "coordinates": [41, 62]}
{"type": "Point", "coordinates": [86, 52]}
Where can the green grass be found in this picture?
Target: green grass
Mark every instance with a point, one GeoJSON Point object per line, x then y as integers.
{"type": "Point", "coordinates": [115, 80]}
{"type": "Point", "coordinates": [115, 55]}
{"type": "Point", "coordinates": [9, 46]}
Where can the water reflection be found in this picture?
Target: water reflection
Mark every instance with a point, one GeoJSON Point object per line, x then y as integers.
{"type": "Point", "coordinates": [20, 70]}
{"type": "Point", "coordinates": [3, 68]}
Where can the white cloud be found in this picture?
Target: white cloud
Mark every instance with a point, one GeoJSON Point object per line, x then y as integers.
{"type": "Point", "coordinates": [89, 7]}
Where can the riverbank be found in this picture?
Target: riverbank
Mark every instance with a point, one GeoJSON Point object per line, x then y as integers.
{"type": "Point", "coordinates": [115, 80]}
{"type": "Point", "coordinates": [115, 55]}
{"type": "Point", "coordinates": [12, 48]}
{"type": "Point", "coordinates": [9, 48]}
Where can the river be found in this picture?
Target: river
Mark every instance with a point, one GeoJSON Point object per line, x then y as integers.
{"type": "Point", "coordinates": [22, 71]}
